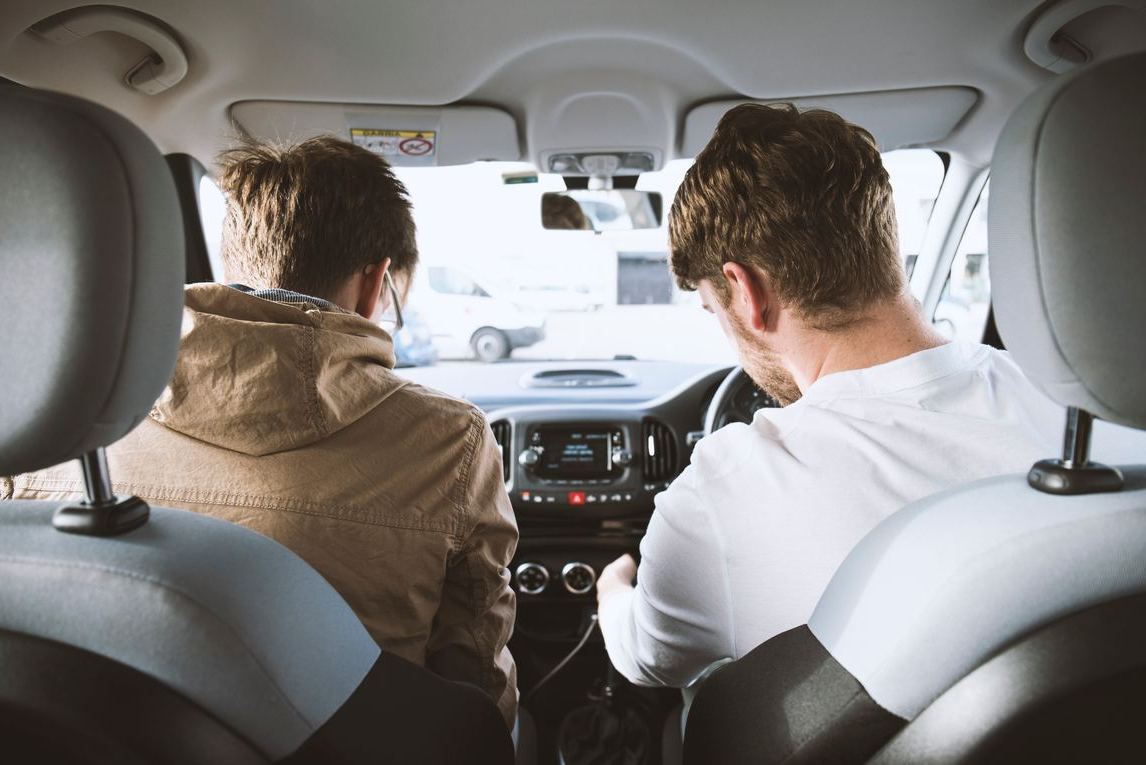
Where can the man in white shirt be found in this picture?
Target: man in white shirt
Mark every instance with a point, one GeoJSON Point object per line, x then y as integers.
{"type": "Point", "coordinates": [786, 226]}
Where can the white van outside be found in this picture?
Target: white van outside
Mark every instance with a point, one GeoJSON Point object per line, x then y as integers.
{"type": "Point", "coordinates": [466, 320]}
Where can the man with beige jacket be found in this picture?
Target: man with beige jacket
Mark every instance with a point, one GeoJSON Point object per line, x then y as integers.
{"type": "Point", "coordinates": [284, 415]}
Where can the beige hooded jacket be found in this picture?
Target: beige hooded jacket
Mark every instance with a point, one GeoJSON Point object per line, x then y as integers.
{"type": "Point", "coordinates": [288, 420]}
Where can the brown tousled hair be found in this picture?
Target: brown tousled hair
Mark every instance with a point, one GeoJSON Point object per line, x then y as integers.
{"type": "Point", "coordinates": [803, 196]}
{"type": "Point", "coordinates": [307, 217]}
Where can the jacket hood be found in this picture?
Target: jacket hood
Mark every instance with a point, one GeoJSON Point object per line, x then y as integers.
{"type": "Point", "coordinates": [260, 377]}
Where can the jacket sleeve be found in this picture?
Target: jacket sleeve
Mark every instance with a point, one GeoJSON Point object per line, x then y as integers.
{"type": "Point", "coordinates": [678, 619]}
{"type": "Point", "coordinates": [475, 618]}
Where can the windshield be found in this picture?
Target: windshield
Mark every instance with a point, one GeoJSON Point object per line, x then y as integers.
{"type": "Point", "coordinates": [493, 284]}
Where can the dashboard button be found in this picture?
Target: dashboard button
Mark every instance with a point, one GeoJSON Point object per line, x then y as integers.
{"type": "Point", "coordinates": [623, 457]}
{"type": "Point", "coordinates": [576, 497]}
{"type": "Point", "coordinates": [591, 499]}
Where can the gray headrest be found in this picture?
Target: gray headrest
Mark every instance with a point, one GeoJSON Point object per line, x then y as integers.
{"type": "Point", "coordinates": [91, 275]}
{"type": "Point", "coordinates": [1068, 238]}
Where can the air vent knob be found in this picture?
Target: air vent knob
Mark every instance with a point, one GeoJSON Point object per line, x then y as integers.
{"type": "Point", "coordinates": [532, 578]}
{"type": "Point", "coordinates": [578, 577]}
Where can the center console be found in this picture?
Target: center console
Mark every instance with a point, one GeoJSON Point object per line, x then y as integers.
{"type": "Point", "coordinates": [582, 479]}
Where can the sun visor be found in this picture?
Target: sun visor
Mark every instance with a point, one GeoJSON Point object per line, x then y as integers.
{"type": "Point", "coordinates": [407, 136]}
{"type": "Point", "coordinates": [897, 118]}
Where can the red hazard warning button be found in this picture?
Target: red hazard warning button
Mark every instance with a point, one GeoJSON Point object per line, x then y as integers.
{"type": "Point", "coordinates": [576, 497]}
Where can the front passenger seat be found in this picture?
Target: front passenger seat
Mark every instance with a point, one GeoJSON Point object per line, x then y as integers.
{"type": "Point", "coordinates": [1003, 621]}
{"type": "Point", "coordinates": [131, 634]}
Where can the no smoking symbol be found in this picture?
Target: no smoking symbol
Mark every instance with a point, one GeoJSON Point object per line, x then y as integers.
{"type": "Point", "coordinates": [416, 147]}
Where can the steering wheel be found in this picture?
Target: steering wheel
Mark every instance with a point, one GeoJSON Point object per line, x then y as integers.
{"type": "Point", "coordinates": [736, 400]}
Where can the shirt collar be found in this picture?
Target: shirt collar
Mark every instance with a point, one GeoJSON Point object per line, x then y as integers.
{"type": "Point", "coordinates": [901, 374]}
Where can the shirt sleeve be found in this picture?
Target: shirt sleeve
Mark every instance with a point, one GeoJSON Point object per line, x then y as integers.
{"type": "Point", "coordinates": [475, 618]}
{"type": "Point", "coordinates": [678, 619]}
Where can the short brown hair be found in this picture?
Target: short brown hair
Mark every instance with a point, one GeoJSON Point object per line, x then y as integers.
{"type": "Point", "coordinates": [802, 195]}
{"type": "Point", "coordinates": [561, 212]}
{"type": "Point", "coordinates": [309, 216]}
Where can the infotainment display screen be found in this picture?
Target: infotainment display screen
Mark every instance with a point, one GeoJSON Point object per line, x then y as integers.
{"type": "Point", "coordinates": [575, 453]}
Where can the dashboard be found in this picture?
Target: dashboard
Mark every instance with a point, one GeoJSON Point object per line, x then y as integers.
{"type": "Point", "coordinates": [586, 447]}
{"type": "Point", "coordinates": [516, 383]}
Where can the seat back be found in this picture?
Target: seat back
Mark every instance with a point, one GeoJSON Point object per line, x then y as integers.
{"type": "Point", "coordinates": [231, 621]}
{"type": "Point", "coordinates": [178, 638]}
{"type": "Point", "coordinates": [968, 621]}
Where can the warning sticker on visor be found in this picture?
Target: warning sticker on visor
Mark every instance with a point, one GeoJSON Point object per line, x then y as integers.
{"type": "Point", "coordinates": [396, 144]}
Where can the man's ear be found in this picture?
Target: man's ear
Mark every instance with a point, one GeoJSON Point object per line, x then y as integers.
{"type": "Point", "coordinates": [751, 296]}
{"type": "Point", "coordinates": [371, 280]}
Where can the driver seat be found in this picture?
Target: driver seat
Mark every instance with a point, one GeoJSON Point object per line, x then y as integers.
{"type": "Point", "coordinates": [136, 634]}
{"type": "Point", "coordinates": [1004, 620]}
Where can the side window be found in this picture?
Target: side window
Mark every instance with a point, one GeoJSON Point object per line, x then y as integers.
{"type": "Point", "coordinates": [966, 300]}
{"type": "Point", "coordinates": [212, 211]}
{"type": "Point", "coordinates": [915, 175]}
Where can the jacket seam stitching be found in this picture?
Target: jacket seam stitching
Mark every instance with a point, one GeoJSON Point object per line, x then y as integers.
{"type": "Point", "coordinates": [223, 499]}
{"type": "Point", "coordinates": [319, 415]}
{"type": "Point", "coordinates": [487, 672]}
{"type": "Point", "coordinates": [472, 437]}
{"type": "Point", "coordinates": [306, 350]}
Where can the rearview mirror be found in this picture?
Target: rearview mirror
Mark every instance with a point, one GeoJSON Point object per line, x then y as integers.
{"type": "Point", "coordinates": [601, 209]}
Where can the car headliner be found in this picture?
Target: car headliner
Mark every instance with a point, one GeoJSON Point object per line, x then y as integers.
{"type": "Point", "coordinates": [525, 55]}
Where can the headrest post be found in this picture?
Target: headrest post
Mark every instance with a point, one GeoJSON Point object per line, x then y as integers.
{"type": "Point", "coordinates": [1075, 473]}
{"type": "Point", "coordinates": [102, 513]}
{"type": "Point", "coordinates": [97, 481]}
{"type": "Point", "coordinates": [1076, 441]}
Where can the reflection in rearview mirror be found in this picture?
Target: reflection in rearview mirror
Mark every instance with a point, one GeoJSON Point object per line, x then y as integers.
{"type": "Point", "coordinates": [601, 209]}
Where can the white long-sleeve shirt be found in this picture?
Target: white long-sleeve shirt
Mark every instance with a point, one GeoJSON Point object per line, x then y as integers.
{"type": "Point", "coordinates": [743, 543]}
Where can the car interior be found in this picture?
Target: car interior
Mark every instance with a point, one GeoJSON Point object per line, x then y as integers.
{"type": "Point", "coordinates": [1004, 620]}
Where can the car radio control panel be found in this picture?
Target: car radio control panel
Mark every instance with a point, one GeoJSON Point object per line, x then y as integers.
{"type": "Point", "coordinates": [571, 462]}
{"type": "Point", "coordinates": [589, 467]}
